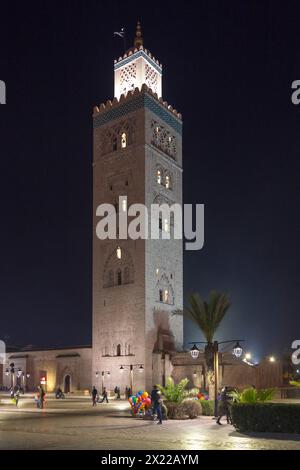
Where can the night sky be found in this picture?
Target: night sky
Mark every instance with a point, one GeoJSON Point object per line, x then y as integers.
{"type": "Point", "coordinates": [228, 67]}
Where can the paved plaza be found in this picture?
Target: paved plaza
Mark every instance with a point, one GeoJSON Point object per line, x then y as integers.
{"type": "Point", "coordinates": [74, 424]}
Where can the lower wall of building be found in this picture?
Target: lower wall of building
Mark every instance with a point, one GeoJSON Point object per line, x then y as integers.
{"type": "Point", "coordinates": [69, 369]}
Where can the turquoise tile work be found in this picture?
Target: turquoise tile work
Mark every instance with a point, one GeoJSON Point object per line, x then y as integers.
{"type": "Point", "coordinates": [135, 56]}
{"type": "Point", "coordinates": [133, 104]}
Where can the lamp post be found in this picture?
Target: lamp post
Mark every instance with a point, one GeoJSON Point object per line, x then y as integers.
{"type": "Point", "coordinates": [237, 352]}
{"type": "Point", "coordinates": [102, 377]}
{"type": "Point", "coordinates": [131, 367]}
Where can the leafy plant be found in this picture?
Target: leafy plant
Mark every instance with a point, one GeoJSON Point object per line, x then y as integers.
{"type": "Point", "coordinates": [175, 392]}
{"type": "Point", "coordinates": [252, 395]}
{"type": "Point", "coordinates": [208, 407]}
{"type": "Point", "coordinates": [295, 383]}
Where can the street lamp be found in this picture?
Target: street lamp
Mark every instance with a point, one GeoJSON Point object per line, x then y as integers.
{"type": "Point", "coordinates": [237, 351]}
{"type": "Point", "coordinates": [97, 373]}
{"type": "Point", "coordinates": [272, 359]}
{"type": "Point", "coordinates": [195, 352]}
{"type": "Point", "coordinates": [131, 367]}
{"type": "Point", "coordinates": [248, 356]}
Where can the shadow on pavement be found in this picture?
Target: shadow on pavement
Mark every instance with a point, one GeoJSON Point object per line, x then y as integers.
{"type": "Point", "coordinates": [265, 435]}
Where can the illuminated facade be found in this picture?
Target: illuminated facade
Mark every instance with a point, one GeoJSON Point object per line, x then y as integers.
{"type": "Point", "coordinates": [136, 283]}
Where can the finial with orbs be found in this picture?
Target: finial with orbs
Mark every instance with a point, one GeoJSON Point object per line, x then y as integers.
{"type": "Point", "coordinates": [138, 40]}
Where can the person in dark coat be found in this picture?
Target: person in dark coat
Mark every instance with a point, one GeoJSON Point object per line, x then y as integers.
{"type": "Point", "coordinates": [224, 408]}
{"type": "Point", "coordinates": [104, 396]}
{"type": "Point", "coordinates": [42, 394]}
{"type": "Point", "coordinates": [94, 395]}
{"type": "Point", "coordinates": [156, 403]}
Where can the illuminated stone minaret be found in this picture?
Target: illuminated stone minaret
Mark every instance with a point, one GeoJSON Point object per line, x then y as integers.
{"type": "Point", "coordinates": [137, 68]}
{"type": "Point", "coordinates": [136, 283]}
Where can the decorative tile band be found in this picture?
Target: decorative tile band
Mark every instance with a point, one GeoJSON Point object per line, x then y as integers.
{"type": "Point", "coordinates": [134, 56]}
{"type": "Point", "coordinates": [138, 102]}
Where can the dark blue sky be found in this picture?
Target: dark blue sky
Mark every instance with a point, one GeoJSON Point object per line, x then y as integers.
{"type": "Point", "coordinates": [228, 67]}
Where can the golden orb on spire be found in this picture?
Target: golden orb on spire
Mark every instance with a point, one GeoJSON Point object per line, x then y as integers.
{"type": "Point", "coordinates": [138, 40]}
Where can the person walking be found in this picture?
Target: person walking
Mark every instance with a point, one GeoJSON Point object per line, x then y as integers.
{"type": "Point", "coordinates": [94, 395]}
{"type": "Point", "coordinates": [104, 396]}
{"type": "Point", "coordinates": [156, 403]}
{"type": "Point", "coordinates": [41, 397]}
{"type": "Point", "coordinates": [117, 392]}
{"type": "Point", "coordinates": [17, 395]}
{"type": "Point", "coordinates": [224, 406]}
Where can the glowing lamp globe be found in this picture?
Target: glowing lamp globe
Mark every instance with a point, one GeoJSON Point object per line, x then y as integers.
{"type": "Point", "coordinates": [195, 352]}
{"type": "Point", "coordinates": [237, 350]}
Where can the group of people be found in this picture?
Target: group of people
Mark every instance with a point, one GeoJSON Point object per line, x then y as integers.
{"type": "Point", "coordinates": [156, 399]}
{"type": "Point", "coordinates": [96, 397]}
{"type": "Point", "coordinates": [104, 396]}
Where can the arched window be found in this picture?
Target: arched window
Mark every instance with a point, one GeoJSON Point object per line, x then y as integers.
{"type": "Point", "coordinates": [166, 226]}
{"type": "Point", "coordinates": [168, 182]}
{"type": "Point", "coordinates": [165, 290]}
{"type": "Point", "coordinates": [118, 268]}
{"type": "Point", "coordinates": [118, 350]}
{"type": "Point", "coordinates": [158, 176]}
{"type": "Point", "coordinates": [123, 140]}
{"type": "Point", "coordinates": [114, 143]}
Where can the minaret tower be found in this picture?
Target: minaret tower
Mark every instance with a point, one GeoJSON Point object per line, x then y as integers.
{"type": "Point", "coordinates": [136, 283]}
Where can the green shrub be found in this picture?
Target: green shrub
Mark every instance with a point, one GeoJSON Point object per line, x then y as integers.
{"type": "Point", "coordinates": [295, 383]}
{"type": "Point", "coordinates": [191, 408]}
{"type": "Point", "coordinates": [252, 395]}
{"type": "Point", "coordinates": [175, 393]}
{"type": "Point", "coordinates": [266, 417]}
{"type": "Point", "coordinates": [208, 407]}
{"type": "Point", "coordinates": [175, 410]}
{"type": "Point", "coordinates": [184, 410]}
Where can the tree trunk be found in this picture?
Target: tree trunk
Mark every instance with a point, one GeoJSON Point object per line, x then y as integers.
{"type": "Point", "coordinates": [210, 384]}
{"type": "Point", "coordinates": [209, 372]}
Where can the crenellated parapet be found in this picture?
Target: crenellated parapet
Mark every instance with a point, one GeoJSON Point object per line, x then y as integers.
{"type": "Point", "coordinates": [132, 53]}
{"type": "Point", "coordinates": [133, 99]}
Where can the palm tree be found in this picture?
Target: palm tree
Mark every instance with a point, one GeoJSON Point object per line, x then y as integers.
{"type": "Point", "coordinates": [207, 316]}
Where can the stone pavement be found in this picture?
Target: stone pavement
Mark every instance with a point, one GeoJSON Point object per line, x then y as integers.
{"type": "Point", "coordinates": [74, 424]}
